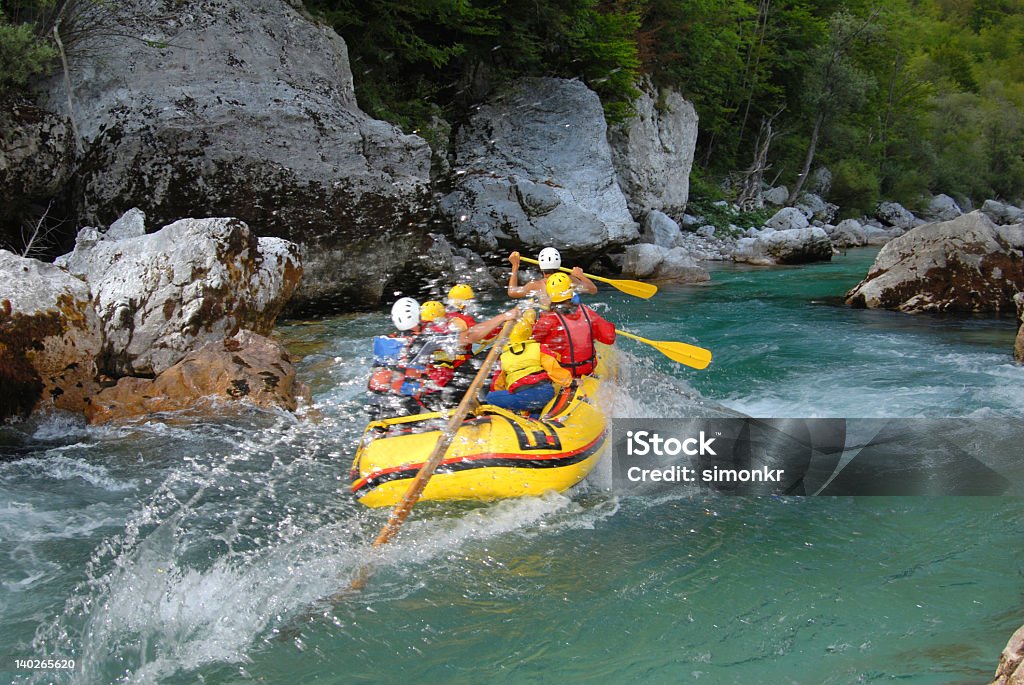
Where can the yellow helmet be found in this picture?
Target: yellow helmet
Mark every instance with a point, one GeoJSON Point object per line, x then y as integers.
{"type": "Point", "coordinates": [460, 295]}
{"type": "Point", "coordinates": [523, 329]}
{"type": "Point", "coordinates": [559, 287]}
{"type": "Point", "coordinates": [431, 310]}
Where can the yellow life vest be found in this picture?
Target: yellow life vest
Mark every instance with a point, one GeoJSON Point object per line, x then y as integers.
{"type": "Point", "coordinates": [520, 360]}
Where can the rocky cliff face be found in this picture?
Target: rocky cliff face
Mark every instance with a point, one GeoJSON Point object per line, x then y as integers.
{"type": "Point", "coordinates": [534, 168]}
{"type": "Point", "coordinates": [653, 152]}
{"type": "Point", "coordinates": [214, 108]}
{"type": "Point", "coordinates": [36, 159]}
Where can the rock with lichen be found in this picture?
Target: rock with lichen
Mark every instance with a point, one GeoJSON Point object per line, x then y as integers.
{"type": "Point", "coordinates": [246, 367]}
{"type": "Point", "coordinates": [50, 338]}
{"type": "Point", "coordinates": [967, 264]}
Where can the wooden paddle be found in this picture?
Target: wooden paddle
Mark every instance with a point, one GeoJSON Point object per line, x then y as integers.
{"type": "Point", "coordinates": [419, 483]}
{"type": "Point", "coordinates": [681, 352]}
{"type": "Point", "coordinates": [634, 288]}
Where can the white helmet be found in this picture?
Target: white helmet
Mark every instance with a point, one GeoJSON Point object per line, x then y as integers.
{"type": "Point", "coordinates": [549, 259]}
{"type": "Point", "coordinates": [405, 313]}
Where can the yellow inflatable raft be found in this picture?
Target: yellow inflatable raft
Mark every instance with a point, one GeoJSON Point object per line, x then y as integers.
{"type": "Point", "coordinates": [495, 454]}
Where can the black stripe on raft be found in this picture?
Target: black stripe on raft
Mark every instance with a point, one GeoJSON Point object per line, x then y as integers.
{"type": "Point", "coordinates": [482, 461]}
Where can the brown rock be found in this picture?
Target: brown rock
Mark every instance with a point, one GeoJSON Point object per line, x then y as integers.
{"type": "Point", "coordinates": [247, 367]}
{"type": "Point", "coordinates": [1018, 345]}
{"type": "Point", "coordinates": [967, 264]}
{"type": "Point", "coordinates": [49, 338]}
{"type": "Point", "coordinates": [1010, 671]}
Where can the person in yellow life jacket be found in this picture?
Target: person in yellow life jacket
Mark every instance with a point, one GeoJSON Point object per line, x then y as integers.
{"type": "Point", "coordinates": [406, 379]}
{"type": "Point", "coordinates": [549, 260]}
{"type": "Point", "coordinates": [529, 371]}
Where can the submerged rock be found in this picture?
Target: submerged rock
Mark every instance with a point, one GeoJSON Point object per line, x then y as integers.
{"type": "Point", "coordinates": [534, 169]}
{"type": "Point", "coordinates": [653, 152]}
{"type": "Point", "coordinates": [247, 109]}
{"type": "Point", "coordinates": [245, 367]}
{"type": "Point", "coordinates": [965, 265]}
{"type": "Point", "coordinates": [50, 338]}
{"type": "Point", "coordinates": [161, 295]}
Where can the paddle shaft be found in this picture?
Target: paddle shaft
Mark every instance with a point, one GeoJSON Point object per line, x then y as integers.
{"type": "Point", "coordinates": [419, 483]}
{"type": "Point", "coordinates": [634, 288]}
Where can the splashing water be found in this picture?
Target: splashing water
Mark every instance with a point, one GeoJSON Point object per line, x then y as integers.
{"type": "Point", "coordinates": [178, 550]}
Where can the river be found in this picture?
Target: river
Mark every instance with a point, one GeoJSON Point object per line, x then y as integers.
{"type": "Point", "coordinates": [184, 550]}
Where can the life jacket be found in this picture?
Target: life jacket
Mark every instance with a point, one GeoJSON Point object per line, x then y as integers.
{"type": "Point", "coordinates": [394, 373]}
{"type": "Point", "coordinates": [521, 364]}
{"type": "Point", "coordinates": [467, 351]}
{"type": "Point", "coordinates": [576, 348]}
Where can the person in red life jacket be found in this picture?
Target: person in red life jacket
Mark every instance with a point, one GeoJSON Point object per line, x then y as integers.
{"type": "Point", "coordinates": [529, 371]}
{"type": "Point", "coordinates": [570, 329]}
{"type": "Point", "coordinates": [406, 379]}
{"type": "Point", "coordinates": [549, 260]}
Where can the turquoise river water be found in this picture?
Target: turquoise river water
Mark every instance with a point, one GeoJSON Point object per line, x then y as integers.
{"type": "Point", "coordinates": [185, 550]}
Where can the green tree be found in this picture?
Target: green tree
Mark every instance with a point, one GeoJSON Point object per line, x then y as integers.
{"type": "Point", "coordinates": [26, 50]}
{"type": "Point", "coordinates": [834, 82]}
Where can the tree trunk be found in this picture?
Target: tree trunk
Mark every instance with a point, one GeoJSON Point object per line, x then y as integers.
{"type": "Point", "coordinates": [809, 159]}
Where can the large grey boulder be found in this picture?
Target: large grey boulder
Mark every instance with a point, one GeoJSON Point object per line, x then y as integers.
{"type": "Point", "coordinates": [1002, 213]}
{"type": "Point", "coordinates": [161, 295]}
{"type": "Point", "coordinates": [50, 338]}
{"type": "Point", "coordinates": [534, 168]}
{"type": "Point", "coordinates": [787, 218]}
{"type": "Point", "coordinates": [814, 207]}
{"type": "Point", "coordinates": [777, 196]}
{"type": "Point", "coordinates": [247, 109]}
{"type": "Point", "coordinates": [896, 215]}
{"type": "Point", "coordinates": [659, 228]}
{"type": "Point", "coordinates": [658, 263]}
{"type": "Point", "coordinates": [790, 246]}
{"type": "Point", "coordinates": [942, 208]}
{"type": "Point", "coordinates": [965, 265]}
{"type": "Point", "coordinates": [653, 152]}
{"type": "Point", "coordinates": [848, 233]}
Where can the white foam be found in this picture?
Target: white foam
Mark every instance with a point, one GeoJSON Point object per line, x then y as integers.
{"type": "Point", "coordinates": [54, 465]}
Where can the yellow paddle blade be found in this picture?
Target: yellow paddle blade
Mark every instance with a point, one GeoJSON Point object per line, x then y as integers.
{"type": "Point", "coordinates": [634, 288]}
{"type": "Point", "coordinates": [684, 353]}
{"type": "Point", "coordinates": [691, 355]}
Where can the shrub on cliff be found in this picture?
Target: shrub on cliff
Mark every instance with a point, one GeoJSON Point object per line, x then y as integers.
{"type": "Point", "coordinates": [25, 51]}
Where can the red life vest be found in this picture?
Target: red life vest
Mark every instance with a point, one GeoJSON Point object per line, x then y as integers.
{"type": "Point", "coordinates": [467, 352]}
{"type": "Point", "coordinates": [573, 341]}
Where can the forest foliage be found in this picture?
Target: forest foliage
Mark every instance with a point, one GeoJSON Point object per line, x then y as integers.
{"type": "Point", "coordinates": [896, 97]}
